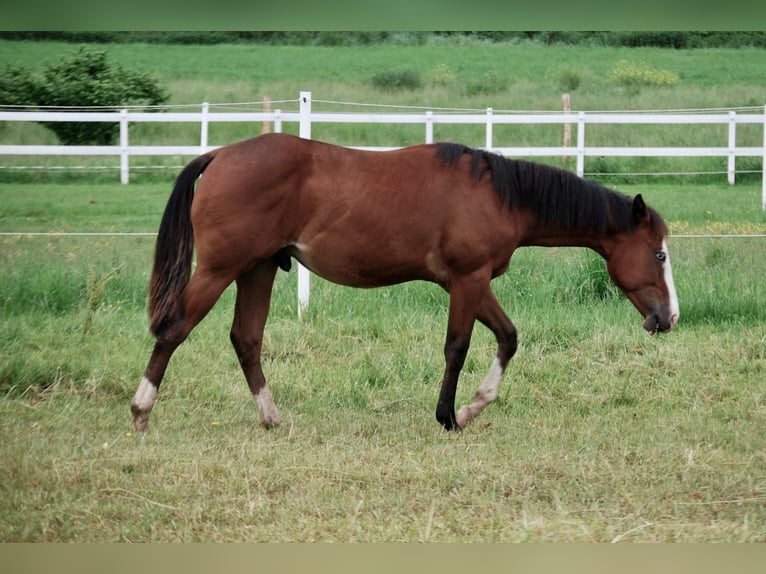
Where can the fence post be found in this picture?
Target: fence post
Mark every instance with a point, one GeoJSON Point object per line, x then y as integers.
{"type": "Point", "coordinates": [266, 125]}
{"type": "Point", "coordinates": [124, 173]}
{"type": "Point", "coordinates": [304, 277]}
{"type": "Point", "coordinates": [763, 164]}
{"type": "Point", "coordinates": [203, 130]}
{"type": "Point", "coordinates": [429, 127]}
{"type": "Point", "coordinates": [488, 134]}
{"type": "Point", "coordinates": [567, 127]}
{"type": "Point", "coordinates": [731, 163]}
{"type": "Point", "coordinates": [581, 143]}
{"type": "Point", "coordinates": [278, 121]}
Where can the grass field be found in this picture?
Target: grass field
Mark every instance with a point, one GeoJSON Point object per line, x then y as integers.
{"type": "Point", "coordinates": [599, 433]}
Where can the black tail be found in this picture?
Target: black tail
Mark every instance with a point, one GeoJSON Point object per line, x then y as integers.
{"type": "Point", "coordinates": [175, 245]}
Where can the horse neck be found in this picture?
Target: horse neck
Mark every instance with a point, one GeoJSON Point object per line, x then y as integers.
{"type": "Point", "coordinates": [560, 209]}
{"type": "Point", "coordinates": [539, 235]}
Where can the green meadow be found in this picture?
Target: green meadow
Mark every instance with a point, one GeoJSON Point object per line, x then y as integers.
{"type": "Point", "coordinates": [600, 433]}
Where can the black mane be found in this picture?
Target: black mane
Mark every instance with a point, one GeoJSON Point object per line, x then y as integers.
{"type": "Point", "coordinates": [558, 197]}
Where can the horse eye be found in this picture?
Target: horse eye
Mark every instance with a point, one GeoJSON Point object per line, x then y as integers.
{"type": "Point", "coordinates": [660, 255]}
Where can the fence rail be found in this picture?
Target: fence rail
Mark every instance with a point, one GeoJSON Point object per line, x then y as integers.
{"type": "Point", "coordinates": [489, 118]}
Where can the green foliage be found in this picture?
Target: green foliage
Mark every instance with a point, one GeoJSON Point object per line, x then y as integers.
{"type": "Point", "coordinates": [17, 86]}
{"type": "Point", "coordinates": [441, 75]}
{"type": "Point", "coordinates": [639, 74]}
{"type": "Point", "coordinates": [81, 80]}
{"type": "Point", "coordinates": [655, 39]}
{"type": "Point", "coordinates": [397, 80]}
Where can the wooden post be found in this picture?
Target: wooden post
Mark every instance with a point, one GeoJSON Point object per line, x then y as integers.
{"type": "Point", "coordinates": [266, 125]}
{"type": "Point", "coordinates": [567, 127]}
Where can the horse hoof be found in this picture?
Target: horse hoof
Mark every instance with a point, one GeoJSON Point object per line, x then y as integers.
{"type": "Point", "coordinates": [140, 421]}
{"type": "Point", "coordinates": [463, 417]}
{"type": "Point", "coordinates": [271, 423]}
{"type": "Point", "coordinates": [448, 422]}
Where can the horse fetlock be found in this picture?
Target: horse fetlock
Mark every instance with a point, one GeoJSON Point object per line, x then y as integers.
{"type": "Point", "coordinates": [142, 404]}
{"type": "Point", "coordinates": [267, 410]}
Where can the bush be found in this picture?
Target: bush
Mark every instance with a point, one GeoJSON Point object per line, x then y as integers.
{"type": "Point", "coordinates": [654, 39]}
{"type": "Point", "coordinates": [82, 80]}
{"type": "Point", "coordinates": [629, 74]}
{"type": "Point", "coordinates": [394, 80]}
{"type": "Point", "coordinates": [16, 87]}
{"type": "Point", "coordinates": [441, 75]}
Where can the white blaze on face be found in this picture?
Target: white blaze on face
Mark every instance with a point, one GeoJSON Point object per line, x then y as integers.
{"type": "Point", "coordinates": [673, 298]}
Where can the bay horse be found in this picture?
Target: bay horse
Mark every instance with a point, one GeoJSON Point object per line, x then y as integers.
{"type": "Point", "coordinates": [444, 213]}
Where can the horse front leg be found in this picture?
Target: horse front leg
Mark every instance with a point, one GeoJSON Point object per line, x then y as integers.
{"type": "Point", "coordinates": [494, 318]}
{"type": "Point", "coordinates": [466, 294]}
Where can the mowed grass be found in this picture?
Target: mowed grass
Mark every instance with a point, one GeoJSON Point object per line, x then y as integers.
{"type": "Point", "coordinates": [600, 432]}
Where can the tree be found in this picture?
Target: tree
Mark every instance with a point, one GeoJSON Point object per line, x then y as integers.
{"type": "Point", "coordinates": [79, 81]}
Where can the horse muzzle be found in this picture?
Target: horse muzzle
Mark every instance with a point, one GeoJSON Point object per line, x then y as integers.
{"type": "Point", "coordinates": [654, 323]}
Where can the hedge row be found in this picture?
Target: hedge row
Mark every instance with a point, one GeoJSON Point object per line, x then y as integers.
{"type": "Point", "coordinates": [663, 39]}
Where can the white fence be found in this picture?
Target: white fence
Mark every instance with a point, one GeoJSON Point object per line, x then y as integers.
{"type": "Point", "coordinates": [305, 117]}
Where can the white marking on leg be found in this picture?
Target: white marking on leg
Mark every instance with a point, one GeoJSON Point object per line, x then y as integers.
{"type": "Point", "coordinates": [668, 273]}
{"type": "Point", "coordinates": [486, 393]}
{"type": "Point", "coordinates": [142, 404]}
{"type": "Point", "coordinates": [145, 395]}
{"type": "Point", "coordinates": [267, 410]}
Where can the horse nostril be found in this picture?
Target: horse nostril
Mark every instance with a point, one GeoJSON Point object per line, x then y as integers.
{"type": "Point", "coordinates": [673, 320]}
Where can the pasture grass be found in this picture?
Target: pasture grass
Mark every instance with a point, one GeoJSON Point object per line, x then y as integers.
{"type": "Point", "coordinates": [599, 433]}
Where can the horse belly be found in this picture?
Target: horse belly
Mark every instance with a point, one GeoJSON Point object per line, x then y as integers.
{"type": "Point", "coordinates": [362, 261]}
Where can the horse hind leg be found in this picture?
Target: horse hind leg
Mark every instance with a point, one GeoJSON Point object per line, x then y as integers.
{"type": "Point", "coordinates": [199, 296]}
{"type": "Point", "coordinates": [251, 312]}
{"type": "Point", "coordinates": [492, 316]}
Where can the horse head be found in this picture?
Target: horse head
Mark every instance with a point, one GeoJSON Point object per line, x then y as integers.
{"type": "Point", "coordinates": [639, 263]}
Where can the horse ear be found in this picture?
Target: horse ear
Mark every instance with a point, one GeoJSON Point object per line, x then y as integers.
{"type": "Point", "coordinates": [640, 213]}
